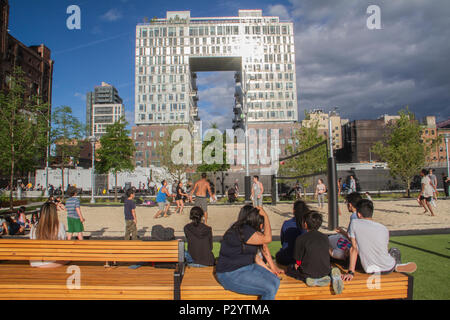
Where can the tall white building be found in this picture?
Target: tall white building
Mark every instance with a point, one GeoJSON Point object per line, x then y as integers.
{"type": "Point", "coordinates": [170, 51]}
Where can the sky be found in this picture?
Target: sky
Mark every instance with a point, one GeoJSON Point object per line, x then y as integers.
{"type": "Point", "coordinates": [340, 62]}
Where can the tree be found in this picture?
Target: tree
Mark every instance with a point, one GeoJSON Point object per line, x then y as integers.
{"type": "Point", "coordinates": [65, 135]}
{"type": "Point", "coordinates": [313, 161]}
{"type": "Point", "coordinates": [214, 167]}
{"type": "Point", "coordinates": [164, 152]}
{"type": "Point", "coordinates": [23, 128]}
{"type": "Point", "coordinates": [116, 152]}
{"type": "Point", "coordinates": [403, 148]}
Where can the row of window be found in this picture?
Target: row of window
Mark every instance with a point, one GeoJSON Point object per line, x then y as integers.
{"type": "Point", "coordinates": [162, 107]}
{"type": "Point", "coordinates": [163, 117]}
{"type": "Point", "coordinates": [195, 31]}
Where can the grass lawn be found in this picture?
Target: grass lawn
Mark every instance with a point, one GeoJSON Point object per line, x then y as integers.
{"type": "Point", "coordinates": [431, 253]}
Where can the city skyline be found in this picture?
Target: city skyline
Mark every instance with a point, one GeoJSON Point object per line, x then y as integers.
{"type": "Point", "coordinates": [366, 73]}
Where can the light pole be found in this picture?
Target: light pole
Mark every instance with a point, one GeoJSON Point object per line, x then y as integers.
{"type": "Point", "coordinates": [93, 140]}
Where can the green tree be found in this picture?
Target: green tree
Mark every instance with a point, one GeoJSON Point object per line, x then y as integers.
{"type": "Point", "coordinates": [403, 148]}
{"type": "Point", "coordinates": [307, 163]}
{"type": "Point", "coordinates": [23, 128]}
{"type": "Point", "coordinates": [66, 133]}
{"type": "Point", "coordinates": [164, 152]}
{"type": "Point", "coordinates": [214, 167]}
{"type": "Point", "coordinates": [116, 152]}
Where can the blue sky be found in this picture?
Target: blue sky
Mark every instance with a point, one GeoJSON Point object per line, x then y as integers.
{"type": "Point", "coordinates": [366, 73]}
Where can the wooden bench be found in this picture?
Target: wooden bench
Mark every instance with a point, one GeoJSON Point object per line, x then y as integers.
{"type": "Point", "coordinates": [18, 280]}
{"type": "Point", "coordinates": [201, 284]}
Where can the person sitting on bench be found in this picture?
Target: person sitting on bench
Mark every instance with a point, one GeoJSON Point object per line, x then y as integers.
{"type": "Point", "coordinates": [290, 230]}
{"type": "Point", "coordinates": [48, 228]}
{"type": "Point", "coordinates": [199, 240]}
{"type": "Point", "coordinates": [370, 241]}
{"type": "Point", "coordinates": [236, 268]}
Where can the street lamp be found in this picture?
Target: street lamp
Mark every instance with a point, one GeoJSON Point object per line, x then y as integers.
{"type": "Point", "coordinates": [93, 140]}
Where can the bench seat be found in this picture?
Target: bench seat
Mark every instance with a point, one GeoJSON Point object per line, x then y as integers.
{"type": "Point", "coordinates": [20, 281]}
{"type": "Point", "coordinates": [201, 284]}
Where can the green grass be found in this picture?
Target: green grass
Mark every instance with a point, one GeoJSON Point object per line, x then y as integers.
{"type": "Point", "coordinates": [431, 253]}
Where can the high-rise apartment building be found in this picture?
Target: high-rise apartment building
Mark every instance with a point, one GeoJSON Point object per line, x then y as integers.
{"type": "Point", "coordinates": [170, 51]}
{"type": "Point", "coordinates": [104, 106]}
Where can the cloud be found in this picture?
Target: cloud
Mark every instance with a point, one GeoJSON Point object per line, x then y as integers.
{"type": "Point", "coordinates": [279, 10]}
{"type": "Point", "coordinates": [367, 73]}
{"type": "Point", "coordinates": [112, 15]}
{"type": "Point", "coordinates": [79, 95]}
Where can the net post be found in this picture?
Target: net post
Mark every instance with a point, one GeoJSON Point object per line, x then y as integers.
{"type": "Point", "coordinates": [333, 219]}
{"type": "Point", "coordinates": [274, 189]}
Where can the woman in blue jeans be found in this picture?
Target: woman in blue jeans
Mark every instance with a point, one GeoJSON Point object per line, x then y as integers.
{"type": "Point", "coordinates": [239, 267]}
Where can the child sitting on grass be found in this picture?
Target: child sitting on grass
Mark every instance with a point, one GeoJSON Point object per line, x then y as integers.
{"type": "Point", "coordinates": [312, 256]}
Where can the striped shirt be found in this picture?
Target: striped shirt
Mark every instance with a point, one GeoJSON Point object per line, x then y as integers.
{"type": "Point", "coordinates": [71, 205]}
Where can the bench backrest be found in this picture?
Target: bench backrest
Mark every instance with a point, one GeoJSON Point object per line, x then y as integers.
{"type": "Point", "coordinates": [92, 250]}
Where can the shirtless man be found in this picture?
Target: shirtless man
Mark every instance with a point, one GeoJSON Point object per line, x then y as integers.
{"type": "Point", "coordinates": [201, 200]}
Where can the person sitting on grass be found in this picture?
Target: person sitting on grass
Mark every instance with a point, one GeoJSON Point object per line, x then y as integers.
{"type": "Point", "coordinates": [199, 240]}
{"type": "Point", "coordinates": [370, 241]}
{"type": "Point", "coordinates": [312, 257]}
{"type": "Point", "coordinates": [22, 218]}
{"type": "Point", "coordinates": [340, 243]}
{"type": "Point", "coordinates": [48, 228]}
{"type": "Point", "coordinates": [290, 230]}
{"type": "Point", "coordinates": [236, 268]}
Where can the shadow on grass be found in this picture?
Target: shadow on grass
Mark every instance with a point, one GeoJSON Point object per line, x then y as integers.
{"type": "Point", "coordinates": [421, 249]}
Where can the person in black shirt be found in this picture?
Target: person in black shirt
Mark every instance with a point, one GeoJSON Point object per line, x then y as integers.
{"type": "Point", "coordinates": [239, 268]}
{"type": "Point", "coordinates": [179, 197]}
{"type": "Point", "coordinates": [199, 240]}
{"type": "Point", "coordinates": [129, 209]}
{"type": "Point", "coordinates": [312, 256]}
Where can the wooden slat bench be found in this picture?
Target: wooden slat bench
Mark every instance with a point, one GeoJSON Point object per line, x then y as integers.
{"type": "Point", "coordinates": [18, 280]}
{"type": "Point", "coordinates": [201, 284]}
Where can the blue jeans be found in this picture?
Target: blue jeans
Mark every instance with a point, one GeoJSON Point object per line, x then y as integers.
{"type": "Point", "coordinates": [190, 262]}
{"type": "Point", "coordinates": [252, 279]}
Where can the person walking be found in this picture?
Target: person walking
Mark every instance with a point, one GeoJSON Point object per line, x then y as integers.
{"type": "Point", "coordinates": [75, 218]}
{"type": "Point", "coordinates": [129, 210]}
{"type": "Point", "coordinates": [201, 190]}
{"type": "Point", "coordinates": [426, 193]}
{"type": "Point", "coordinates": [352, 185]}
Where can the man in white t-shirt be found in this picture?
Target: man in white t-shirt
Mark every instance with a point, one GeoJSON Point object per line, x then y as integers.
{"type": "Point", "coordinates": [370, 241]}
{"type": "Point", "coordinates": [426, 193]}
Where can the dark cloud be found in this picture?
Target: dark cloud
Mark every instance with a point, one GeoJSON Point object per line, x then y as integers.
{"type": "Point", "coordinates": [366, 73]}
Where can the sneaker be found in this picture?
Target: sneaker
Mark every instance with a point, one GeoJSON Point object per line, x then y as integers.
{"type": "Point", "coordinates": [407, 267]}
{"type": "Point", "coordinates": [320, 282]}
{"type": "Point", "coordinates": [396, 254]}
{"type": "Point", "coordinates": [338, 284]}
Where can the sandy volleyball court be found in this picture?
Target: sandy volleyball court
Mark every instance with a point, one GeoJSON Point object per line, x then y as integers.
{"type": "Point", "coordinates": [396, 215]}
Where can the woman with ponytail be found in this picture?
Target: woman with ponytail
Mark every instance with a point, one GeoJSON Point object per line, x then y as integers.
{"type": "Point", "coordinates": [199, 240]}
{"type": "Point", "coordinates": [48, 228]}
{"type": "Point", "coordinates": [239, 267]}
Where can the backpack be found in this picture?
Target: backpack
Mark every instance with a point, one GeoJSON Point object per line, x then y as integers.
{"type": "Point", "coordinates": [162, 234]}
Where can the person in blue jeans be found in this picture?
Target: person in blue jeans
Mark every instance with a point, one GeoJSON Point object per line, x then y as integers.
{"type": "Point", "coordinates": [239, 267]}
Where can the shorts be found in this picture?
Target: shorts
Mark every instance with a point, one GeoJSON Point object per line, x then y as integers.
{"type": "Point", "coordinates": [427, 199]}
{"type": "Point", "coordinates": [74, 225]}
{"type": "Point", "coordinates": [162, 205]}
{"type": "Point", "coordinates": [202, 202]}
{"type": "Point", "coordinates": [257, 202]}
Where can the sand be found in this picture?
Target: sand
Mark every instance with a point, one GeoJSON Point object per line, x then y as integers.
{"type": "Point", "coordinates": [396, 215]}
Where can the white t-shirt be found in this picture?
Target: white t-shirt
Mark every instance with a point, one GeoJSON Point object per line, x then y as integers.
{"type": "Point", "coordinates": [372, 239]}
{"type": "Point", "coordinates": [428, 190]}
{"type": "Point", "coordinates": [61, 236]}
